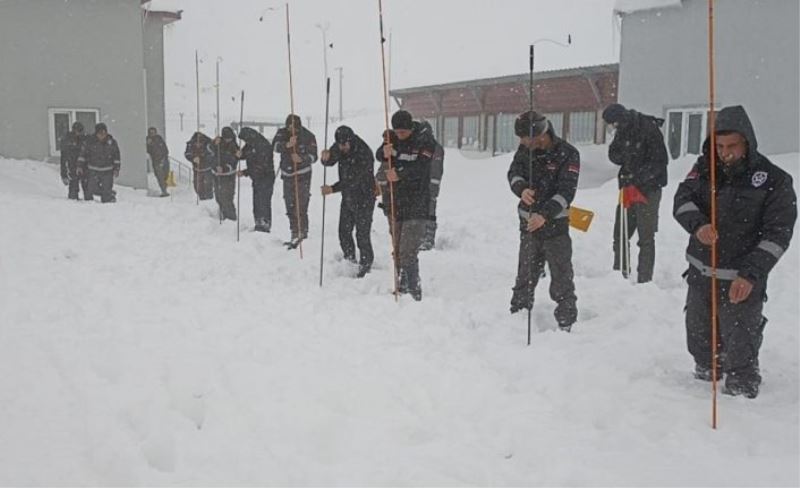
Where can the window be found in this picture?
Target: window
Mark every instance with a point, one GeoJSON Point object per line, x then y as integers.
{"type": "Point", "coordinates": [469, 138]}
{"type": "Point", "coordinates": [582, 127]}
{"type": "Point", "coordinates": [60, 122]}
{"type": "Point", "coordinates": [507, 140]}
{"type": "Point", "coordinates": [557, 121]}
{"type": "Point", "coordinates": [450, 132]}
{"type": "Point", "coordinates": [686, 131]}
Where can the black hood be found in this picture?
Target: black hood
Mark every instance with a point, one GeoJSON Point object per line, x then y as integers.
{"type": "Point", "coordinates": [735, 119]}
{"type": "Point", "coordinates": [199, 136]}
{"type": "Point", "coordinates": [250, 135]}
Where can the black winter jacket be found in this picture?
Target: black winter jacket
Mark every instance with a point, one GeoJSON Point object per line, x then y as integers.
{"type": "Point", "coordinates": [356, 168]}
{"type": "Point", "coordinates": [554, 180]}
{"type": "Point", "coordinates": [100, 155]}
{"type": "Point", "coordinates": [411, 160]}
{"type": "Point", "coordinates": [306, 148]}
{"type": "Point", "coordinates": [157, 148]}
{"type": "Point", "coordinates": [756, 208]}
{"type": "Point", "coordinates": [71, 145]}
{"type": "Point", "coordinates": [199, 146]}
{"type": "Point", "coordinates": [638, 149]}
{"type": "Point", "coordinates": [257, 151]}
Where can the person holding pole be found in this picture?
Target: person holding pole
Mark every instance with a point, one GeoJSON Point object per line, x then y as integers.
{"type": "Point", "coordinates": [756, 213]}
{"type": "Point", "coordinates": [257, 152]}
{"type": "Point", "coordinates": [544, 176]}
{"type": "Point", "coordinates": [410, 175]}
{"type": "Point", "coordinates": [298, 149]}
{"type": "Point", "coordinates": [638, 149]}
{"type": "Point", "coordinates": [357, 186]}
{"type": "Point", "coordinates": [200, 153]}
{"type": "Point", "coordinates": [226, 155]}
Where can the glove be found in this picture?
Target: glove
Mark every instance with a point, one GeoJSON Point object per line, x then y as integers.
{"type": "Point", "coordinates": [631, 195]}
{"type": "Point", "coordinates": [116, 173]}
{"type": "Point", "coordinates": [65, 180]}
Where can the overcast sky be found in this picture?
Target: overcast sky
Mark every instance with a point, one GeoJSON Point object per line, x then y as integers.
{"type": "Point", "coordinates": [433, 41]}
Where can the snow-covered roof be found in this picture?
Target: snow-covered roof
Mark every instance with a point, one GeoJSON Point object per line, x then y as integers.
{"type": "Point", "coordinates": [629, 6]}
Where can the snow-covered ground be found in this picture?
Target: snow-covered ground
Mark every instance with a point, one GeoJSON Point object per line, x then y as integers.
{"type": "Point", "coordinates": [141, 345]}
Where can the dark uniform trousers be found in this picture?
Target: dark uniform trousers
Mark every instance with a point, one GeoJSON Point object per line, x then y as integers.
{"type": "Point", "coordinates": [101, 183]}
{"type": "Point", "coordinates": [77, 182]}
{"type": "Point", "coordinates": [407, 242]}
{"type": "Point", "coordinates": [161, 171]}
{"type": "Point", "coordinates": [642, 217]}
{"type": "Point", "coordinates": [225, 190]}
{"type": "Point", "coordinates": [741, 325]}
{"type": "Point", "coordinates": [262, 198]}
{"type": "Point", "coordinates": [356, 212]}
{"type": "Point", "coordinates": [534, 252]}
{"type": "Point", "coordinates": [204, 184]}
{"type": "Point", "coordinates": [304, 193]}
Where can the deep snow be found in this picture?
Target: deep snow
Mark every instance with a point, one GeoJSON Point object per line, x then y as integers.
{"type": "Point", "coordinates": [140, 344]}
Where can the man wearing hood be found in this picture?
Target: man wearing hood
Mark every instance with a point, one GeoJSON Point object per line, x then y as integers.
{"type": "Point", "coordinates": [410, 174]}
{"type": "Point", "coordinates": [638, 149]}
{"type": "Point", "coordinates": [298, 149]}
{"type": "Point", "coordinates": [357, 186]}
{"type": "Point", "coordinates": [437, 170]}
{"type": "Point", "coordinates": [100, 160]}
{"type": "Point", "coordinates": [159, 157]}
{"type": "Point", "coordinates": [71, 145]}
{"type": "Point", "coordinates": [226, 157]}
{"type": "Point", "coordinates": [201, 155]}
{"type": "Point", "coordinates": [257, 152]}
{"type": "Point", "coordinates": [756, 212]}
{"type": "Point", "coordinates": [544, 176]}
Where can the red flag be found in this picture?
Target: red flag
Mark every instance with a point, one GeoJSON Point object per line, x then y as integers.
{"type": "Point", "coordinates": [631, 195]}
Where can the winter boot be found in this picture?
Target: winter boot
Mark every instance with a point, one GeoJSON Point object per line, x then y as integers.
{"type": "Point", "coordinates": [414, 285]}
{"type": "Point", "coordinates": [743, 382]}
{"type": "Point", "coordinates": [705, 373]}
{"type": "Point", "coordinates": [363, 269]}
{"type": "Point", "coordinates": [520, 300]}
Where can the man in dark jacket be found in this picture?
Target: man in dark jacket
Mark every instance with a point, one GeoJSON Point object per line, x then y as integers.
{"type": "Point", "coordinates": [544, 176]}
{"type": "Point", "coordinates": [756, 214]}
{"type": "Point", "coordinates": [437, 170]}
{"type": "Point", "coordinates": [257, 152]}
{"type": "Point", "coordinates": [159, 157]}
{"type": "Point", "coordinates": [409, 172]}
{"type": "Point", "coordinates": [71, 145]}
{"type": "Point", "coordinates": [200, 153]}
{"type": "Point", "coordinates": [357, 186]}
{"type": "Point", "coordinates": [100, 160]}
{"type": "Point", "coordinates": [226, 158]}
{"type": "Point", "coordinates": [298, 149]}
{"type": "Point", "coordinates": [638, 149]}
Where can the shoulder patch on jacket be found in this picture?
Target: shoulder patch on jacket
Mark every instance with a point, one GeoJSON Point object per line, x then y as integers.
{"type": "Point", "coordinates": [759, 178]}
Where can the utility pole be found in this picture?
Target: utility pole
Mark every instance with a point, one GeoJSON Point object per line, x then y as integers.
{"type": "Point", "coordinates": [340, 69]}
{"type": "Point", "coordinates": [217, 87]}
{"type": "Point", "coordinates": [181, 115]}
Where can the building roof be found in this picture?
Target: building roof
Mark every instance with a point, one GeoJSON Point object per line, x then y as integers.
{"type": "Point", "coordinates": [163, 9]}
{"type": "Point", "coordinates": [630, 6]}
{"type": "Point", "coordinates": [519, 78]}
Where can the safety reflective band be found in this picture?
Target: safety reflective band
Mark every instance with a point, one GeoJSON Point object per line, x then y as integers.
{"type": "Point", "coordinates": [722, 273]}
{"type": "Point", "coordinates": [771, 248]}
{"type": "Point", "coordinates": [687, 207]}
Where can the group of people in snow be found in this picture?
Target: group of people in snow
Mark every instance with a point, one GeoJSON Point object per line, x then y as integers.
{"type": "Point", "coordinates": [756, 208]}
{"type": "Point", "coordinates": [92, 162]}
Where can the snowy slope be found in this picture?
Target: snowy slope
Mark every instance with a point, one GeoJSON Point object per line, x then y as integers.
{"type": "Point", "coordinates": [140, 344]}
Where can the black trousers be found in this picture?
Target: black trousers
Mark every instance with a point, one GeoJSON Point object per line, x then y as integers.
{"type": "Point", "coordinates": [204, 184]}
{"type": "Point", "coordinates": [356, 212]}
{"type": "Point", "coordinates": [77, 182]}
{"type": "Point", "coordinates": [262, 198]}
{"type": "Point", "coordinates": [409, 235]}
{"type": "Point", "coordinates": [101, 183]}
{"type": "Point", "coordinates": [642, 218]}
{"type": "Point", "coordinates": [534, 252]}
{"type": "Point", "coordinates": [303, 195]}
{"type": "Point", "coordinates": [161, 171]}
{"type": "Point", "coordinates": [224, 191]}
{"type": "Point", "coordinates": [740, 326]}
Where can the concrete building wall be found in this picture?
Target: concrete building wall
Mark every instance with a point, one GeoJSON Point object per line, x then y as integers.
{"type": "Point", "coordinates": [664, 63]}
{"type": "Point", "coordinates": [76, 54]}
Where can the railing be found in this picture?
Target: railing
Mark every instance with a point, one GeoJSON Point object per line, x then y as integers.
{"type": "Point", "coordinates": [184, 171]}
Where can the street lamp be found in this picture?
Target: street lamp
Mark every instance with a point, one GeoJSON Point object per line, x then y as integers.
{"type": "Point", "coordinates": [533, 45]}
